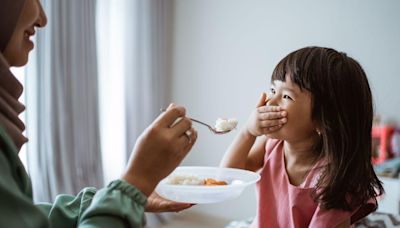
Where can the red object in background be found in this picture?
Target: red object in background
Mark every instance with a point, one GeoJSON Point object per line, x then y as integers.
{"type": "Point", "coordinates": [384, 136]}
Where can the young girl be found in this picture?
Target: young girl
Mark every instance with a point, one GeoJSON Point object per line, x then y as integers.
{"type": "Point", "coordinates": [313, 147]}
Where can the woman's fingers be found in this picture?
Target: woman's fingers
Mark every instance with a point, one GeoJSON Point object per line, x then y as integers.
{"type": "Point", "coordinates": [179, 126]}
{"type": "Point", "coordinates": [187, 139]}
{"type": "Point", "coordinates": [183, 125]}
{"type": "Point", "coordinates": [168, 118]}
{"type": "Point", "coordinates": [156, 203]}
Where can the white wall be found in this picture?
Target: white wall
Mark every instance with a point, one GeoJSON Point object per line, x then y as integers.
{"type": "Point", "coordinates": [224, 52]}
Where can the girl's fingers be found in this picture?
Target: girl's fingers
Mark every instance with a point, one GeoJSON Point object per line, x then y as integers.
{"type": "Point", "coordinates": [271, 129]}
{"type": "Point", "coordinates": [269, 109]}
{"type": "Point", "coordinates": [262, 101]}
{"type": "Point", "coordinates": [271, 115]}
{"type": "Point", "coordinates": [275, 128]}
{"type": "Point", "coordinates": [272, 123]}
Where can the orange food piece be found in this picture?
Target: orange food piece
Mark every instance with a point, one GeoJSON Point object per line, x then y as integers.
{"type": "Point", "coordinates": [213, 182]}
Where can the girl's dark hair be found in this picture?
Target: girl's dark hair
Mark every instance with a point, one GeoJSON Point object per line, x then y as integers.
{"type": "Point", "coordinates": [342, 108]}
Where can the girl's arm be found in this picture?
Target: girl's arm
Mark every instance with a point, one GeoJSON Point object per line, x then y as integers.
{"type": "Point", "coordinates": [245, 152]}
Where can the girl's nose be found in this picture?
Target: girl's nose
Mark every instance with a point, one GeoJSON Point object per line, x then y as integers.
{"type": "Point", "coordinates": [272, 100]}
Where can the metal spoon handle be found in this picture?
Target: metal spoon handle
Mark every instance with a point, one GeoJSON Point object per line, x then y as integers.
{"type": "Point", "coordinates": [197, 121]}
{"type": "Point", "coordinates": [202, 123]}
{"type": "Point", "coordinates": [194, 120]}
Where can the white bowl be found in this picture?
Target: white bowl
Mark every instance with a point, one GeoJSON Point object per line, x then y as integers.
{"type": "Point", "coordinates": [237, 180]}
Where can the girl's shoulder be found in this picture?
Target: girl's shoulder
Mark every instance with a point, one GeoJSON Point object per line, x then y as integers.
{"type": "Point", "coordinates": [271, 146]}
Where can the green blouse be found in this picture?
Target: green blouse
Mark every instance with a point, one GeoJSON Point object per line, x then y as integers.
{"type": "Point", "coordinates": [117, 205]}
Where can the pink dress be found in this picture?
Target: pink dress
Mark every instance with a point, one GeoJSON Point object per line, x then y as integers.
{"type": "Point", "coordinates": [281, 204]}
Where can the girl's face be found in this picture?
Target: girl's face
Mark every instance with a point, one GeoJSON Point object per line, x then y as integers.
{"type": "Point", "coordinates": [19, 46]}
{"type": "Point", "coordinates": [298, 105]}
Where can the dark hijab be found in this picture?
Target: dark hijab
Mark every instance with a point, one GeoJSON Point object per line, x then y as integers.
{"type": "Point", "coordinates": [10, 88]}
{"type": "Point", "coordinates": [9, 14]}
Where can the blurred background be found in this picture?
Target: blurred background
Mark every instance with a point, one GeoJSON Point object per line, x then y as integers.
{"type": "Point", "coordinates": [215, 57]}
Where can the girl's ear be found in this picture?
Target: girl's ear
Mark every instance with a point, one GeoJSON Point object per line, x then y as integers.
{"type": "Point", "coordinates": [318, 127]}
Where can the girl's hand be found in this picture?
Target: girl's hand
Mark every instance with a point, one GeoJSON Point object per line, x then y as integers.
{"type": "Point", "coordinates": [265, 119]}
{"type": "Point", "coordinates": [160, 149]}
{"type": "Point", "coordinates": [156, 204]}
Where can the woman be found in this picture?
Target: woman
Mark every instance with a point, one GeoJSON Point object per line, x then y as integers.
{"type": "Point", "coordinates": [123, 202]}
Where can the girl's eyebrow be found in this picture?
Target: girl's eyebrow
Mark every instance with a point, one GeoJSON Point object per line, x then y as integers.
{"type": "Point", "coordinates": [289, 89]}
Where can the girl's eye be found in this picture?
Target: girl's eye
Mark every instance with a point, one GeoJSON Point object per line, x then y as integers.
{"type": "Point", "coordinates": [272, 90]}
{"type": "Point", "coordinates": [287, 97]}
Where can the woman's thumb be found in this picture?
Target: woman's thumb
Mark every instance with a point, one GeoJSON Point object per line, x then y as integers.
{"type": "Point", "coordinates": [262, 101]}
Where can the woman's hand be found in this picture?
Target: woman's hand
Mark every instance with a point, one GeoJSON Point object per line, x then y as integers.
{"type": "Point", "coordinates": [156, 204]}
{"type": "Point", "coordinates": [265, 119]}
{"type": "Point", "coordinates": [160, 149]}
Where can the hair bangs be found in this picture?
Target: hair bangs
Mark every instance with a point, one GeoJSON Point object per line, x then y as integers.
{"type": "Point", "coordinates": [297, 65]}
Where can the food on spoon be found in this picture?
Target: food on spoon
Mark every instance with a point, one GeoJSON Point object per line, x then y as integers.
{"type": "Point", "coordinates": [225, 124]}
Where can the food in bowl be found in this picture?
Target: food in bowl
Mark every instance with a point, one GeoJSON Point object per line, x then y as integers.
{"type": "Point", "coordinates": [214, 182]}
{"type": "Point", "coordinates": [194, 180]}
{"type": "Point", "coordinates": [225, 124]}
{"type": "Point", "coordinates": [185, 180]}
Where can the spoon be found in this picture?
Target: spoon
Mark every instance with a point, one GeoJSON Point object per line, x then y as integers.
{"type": "Point", "coordinates": [212, 129]}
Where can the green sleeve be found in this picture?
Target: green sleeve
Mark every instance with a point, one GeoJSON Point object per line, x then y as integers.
{"type": "Point", "coordinates": [67, 209]}
{"type": "Point", "coordinates": [118, 205]}
{"type": "Point", "coordinates": [16, 207]}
